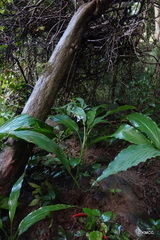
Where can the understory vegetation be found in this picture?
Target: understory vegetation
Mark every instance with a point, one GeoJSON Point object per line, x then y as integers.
{"type": "Point", "coordinates": [104, 123]}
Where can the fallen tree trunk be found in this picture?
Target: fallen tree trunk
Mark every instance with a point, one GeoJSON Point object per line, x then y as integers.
{"type": "Point", "coordinates": [13, 158]}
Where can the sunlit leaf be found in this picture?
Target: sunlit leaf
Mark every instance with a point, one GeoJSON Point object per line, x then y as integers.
{"type": "Point", "coordinates": [146, 125]}
{"type": "Point", "coordinates": [129, 157]}
{"type": "Point", "coordinates": [13, 198]}
{"type": "Point", "coordinates": [38, 215]}
{"type": "Point", "coordinates": [130, 134]}
{"type": "Point", "coordinates": [25, 122]}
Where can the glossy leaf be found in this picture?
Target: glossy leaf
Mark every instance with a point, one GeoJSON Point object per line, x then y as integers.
{"type": "Point", "coordinates": [25, 122]}
{"type": "Point", "coordinates": [130, 134]}
{"type": "Point", "coordinates": [45, 143]}
{"type": "Point", "coordinates": [13, 198]}
{"type": "Point", "coordinates": [129, 157]}
{"type": "Point", "coordinates": [146, 125]}
{"type": "Point", "coordinates": [38, 215]}
{"type": "Point", "coordinates": [66, 121]}
{"type": "Point", "coordinates": [95, 235]}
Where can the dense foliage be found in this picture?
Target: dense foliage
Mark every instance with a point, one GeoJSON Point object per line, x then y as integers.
{"type": "Point", "coordinates": [114, 75]}
{"type": "Point", "coordinates": [119, 52]}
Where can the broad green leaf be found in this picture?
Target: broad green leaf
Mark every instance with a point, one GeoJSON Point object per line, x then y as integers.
{"type": "Point", "coordinates": [95, 235]}
{"type": "Point", "coordinates": [91, 212]}
{"type": "Point", "coordinates": [25, 122]}
{"type": "Point", "coordinates": [146, 125]}
{"type": "Point", "coordinates": [13, 198]}
{"type": "Point", "coordinates": [106, 216]}
{"type": "Point", "coordinates": [45, 143]}
{"type": "Point", "coordinates": [66, 121]}
{"type": "Point", "coordinates": [129, 157]}
{"type": "Point", "coordinates": [130, 134]}
{"type": "Point", "coordinates": [91, 116]}
{"type": "Point", "coordinates": [38, 215]}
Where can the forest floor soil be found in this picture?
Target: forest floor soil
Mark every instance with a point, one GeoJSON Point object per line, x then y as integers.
{"type": "Point", "coordinates": [137, 201]}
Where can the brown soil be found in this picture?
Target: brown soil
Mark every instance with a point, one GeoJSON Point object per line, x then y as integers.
{"type": "Point", "coordinates": [138, 200]}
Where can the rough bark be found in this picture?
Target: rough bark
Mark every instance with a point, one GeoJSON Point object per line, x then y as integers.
{"type": "Point", "coordinates": [157, 22]}
{"type": "Point", "coordinates": [13, 159]}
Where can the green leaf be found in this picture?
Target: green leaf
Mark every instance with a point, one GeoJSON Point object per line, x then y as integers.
{"type": "Point", "coordinates": [13, 198]}
{"type": "Point", "coordinates": [106, 216]}
{"type": "Point", "coordinates": [92, 212]}
{"type": "Point", "coordinates": [95, 235]}
{"type": "Point", "coordinates": [25, 122]}
{"type": "Point", "coordinates": [130, 134]}
{"type": "Point", "coordinates": [1, 224]}
{"type": "Point", "coordinates": [34, 185]}
{"type": "Point", "coordinates": [91, 116]}
{"type": "Point", "coordinates": [66, 121]}
{"type": "Point", "coordinates": [129, 157]}
{"type": "Point", "coordinates": [74, 162]}
{"type": "Point", "coordinates": [38, 215]}
{"type": "Point", "coordinates": [45, 143]}
{"type": "Point", "coordinates": [34, 202]}
{"type": "Point", "coordinates": [146, 125]}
